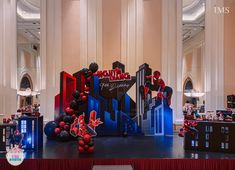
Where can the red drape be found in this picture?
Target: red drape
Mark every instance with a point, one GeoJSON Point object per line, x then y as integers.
{"type": "Point", "coordinates": [138, 164]}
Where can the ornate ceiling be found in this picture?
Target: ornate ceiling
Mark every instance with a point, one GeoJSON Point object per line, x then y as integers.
{"type": "Point", "coordinates": [28, 20]}
{"type": "Point", "coordinates": [193, 18]}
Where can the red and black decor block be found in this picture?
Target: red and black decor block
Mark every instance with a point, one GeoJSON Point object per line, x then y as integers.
{"type": "Point", "coordinates": [92, 97]}
{"type": "Point", "coordinates": [6, 136]}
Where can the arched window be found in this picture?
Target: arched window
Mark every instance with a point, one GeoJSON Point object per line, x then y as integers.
{"type": "Point", "coordinates": [26, 82]}
{"type": "Point", "coordinates": [188, 84]}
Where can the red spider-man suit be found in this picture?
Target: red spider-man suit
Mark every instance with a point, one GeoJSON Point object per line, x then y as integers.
{"type": "Point", "coordinates": [158, 85]}
{"type": "Point", "coordinates": [188, 126]}
{"type": "Point", "coordinates": [80, 128]}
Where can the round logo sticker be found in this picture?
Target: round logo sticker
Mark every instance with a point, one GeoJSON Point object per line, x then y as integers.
{"type": "Point", "coordinates": [15, 156]}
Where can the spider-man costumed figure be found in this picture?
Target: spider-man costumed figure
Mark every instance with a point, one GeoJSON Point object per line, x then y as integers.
{"type": "Point", "coordinates": [155, 83]}
{"type": "Point", "coordinates": [189, 126]}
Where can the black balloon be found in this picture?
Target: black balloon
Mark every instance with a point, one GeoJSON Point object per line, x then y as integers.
{"type": "Point", "coordinates": [74, 105]}
{"type": "Point", "coordinates": [76, 94]}
{"type": "Point", "coordinates": [61, 117]}
{"type": "Point", "coordinates": [49, 129]}
{"type": "Point", "coordinates": [68, 119]}
{"type": "Point", "coordinates": [63, 136]}
{"type": "Point", "coordinates": [85, 72]}
{"type": "Point", "coordinates": [79, 101]}
{"type": "Point", "coordinates": [93, 67]}
{"type": "Point", "coordinates": [91, 143]}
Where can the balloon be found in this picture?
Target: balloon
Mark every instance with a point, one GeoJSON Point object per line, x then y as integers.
{"type": "Point", "coordinates": [76, 94]}
{"type": "Point", "coordinates": [81, 94]}
{"type": "Point", "coordinates": [68, 119]}
{"type": "Point", "coordinates": [81, 143]}
{"type": "Point", "coordinates": [57, 131]}
{"type": "Point", "coordinates": [93, 67]}
{"type": "Point", "coordinates": [80, 149]}
{"type": "Point", "coordinates": [91, 143]}
{"type": "Point", "coordinates": [49, 129]}
{"type": "Point", "coordinates": [69, 111]}
{"type": "Point", "coordinates": [88, 79]}
{"type": "Point", "coordinates": [66, 127]}
{"type": "Point", "coordinates": [63, 136]}
{"type": "Point", "coordinates": [84, 98]}
{"type": "Point", "coordinates": [85, 72]}
{"type": "Point", "coordinates": [74, 131]}
{"type": "Point", "coordinates": [79, 101]}
{"type": "Point", "coordinates": [62, 123]}
{"type": "Point", "coordinates": [74, 105]}
{"type": "Point", "coordinates": [87, 138]}
{"type": "Point", "coordinates": [87, 88]}
{"type": "Point", "coordinates": [90, 149]}
{"type": "Point", "coordinates": [74, 116]}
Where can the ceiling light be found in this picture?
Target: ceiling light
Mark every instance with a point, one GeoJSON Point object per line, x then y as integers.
{"type": "Point", "coordinates": [194, 94]}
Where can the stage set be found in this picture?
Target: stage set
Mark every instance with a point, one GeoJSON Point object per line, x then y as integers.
{"type": "Point", "coordinates": [98, 123]}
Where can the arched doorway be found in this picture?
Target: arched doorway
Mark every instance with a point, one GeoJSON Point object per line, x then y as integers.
{"type": "Point", "coordinates": [188, 87]}
{"type": "Point", "coordinates": [26, 84]}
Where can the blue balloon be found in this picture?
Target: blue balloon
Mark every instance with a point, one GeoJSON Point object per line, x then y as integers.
{"type": "Point", "coordinates": [50, 128]}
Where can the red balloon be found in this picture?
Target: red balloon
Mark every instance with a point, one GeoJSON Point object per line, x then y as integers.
{"type": "Point", "coordinates": [90, 149]}
{"type": "Point", "coordinates": [66, 127]}
{"type": "Point", "coordinates": [88, 79]}
{"type": "Point", "coordinates": [62, 124]}
{"type": "Point", "coordinates": [81, 143]}
{"type": "Point", "coordinates": [69, 111]}
{"type": "Point", "coordinates": [81, 149]}
{"type": "Point", "coordinates": [81, 94]}
{"type": "Point", "coordinates": [87, 138]}
{"type": "Point", "coordinates": [75, 130]}
{"type": "Point", "coordinates": [87, 88]}
{"type": "Point", "coordinates": [57, 131]}
{"type": "Point", "coordinates": [84, 98]}
{"type": "Point", "coordinates": [74, 116]}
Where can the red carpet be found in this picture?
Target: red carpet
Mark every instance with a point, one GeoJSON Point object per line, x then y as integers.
{"type": "Point", "coordinates": [138, 164]}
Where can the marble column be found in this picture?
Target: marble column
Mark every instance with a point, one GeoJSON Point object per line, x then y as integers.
{"type": "Point", "coordinates": [132, 37]}
{"type": "Point", "coordinates": [8, 58]}
{"type": "Point", "coordinates": [51, 55]}
{"type": "Point", "coordinates": [172, 53]}
{"type": "Point", "coordinates": [214, 57]}
{"type": "Point", "coordinates": [132, 34]}
{"type": "Point", "coordinates": [90, 32]}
